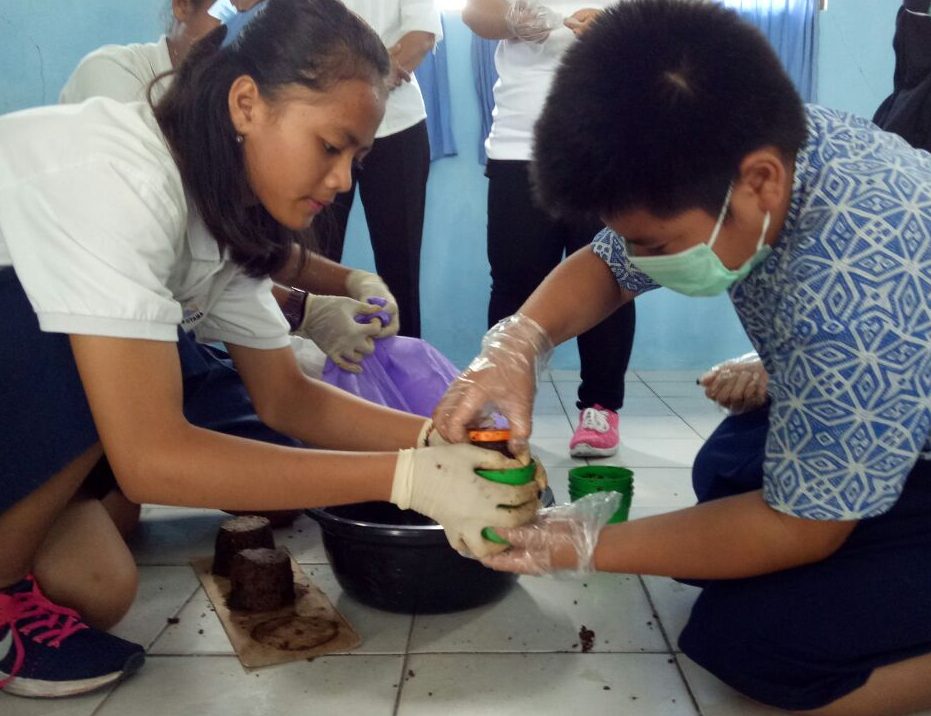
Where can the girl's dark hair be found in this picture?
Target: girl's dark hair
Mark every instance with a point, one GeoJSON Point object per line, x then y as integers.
{"type": "Point", "coordinates": [314, 43]}
{"type": "Point", "coordinates": [655, 107]}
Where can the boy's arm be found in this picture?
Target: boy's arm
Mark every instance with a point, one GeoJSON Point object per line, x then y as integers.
{"type": "Point", "coordinates": [729, 538]}
{"type": "Point", "coordinates": [578, 294]}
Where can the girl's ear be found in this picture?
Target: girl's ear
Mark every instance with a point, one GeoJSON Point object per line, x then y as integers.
{"type": "Point", "coordinates": [244, 104]}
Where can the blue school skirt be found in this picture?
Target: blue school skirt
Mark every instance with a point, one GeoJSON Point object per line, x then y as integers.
{"type": "Point", "coordinates": [802, 638]}
{"type": "Point", "coordinates": [45, 421]}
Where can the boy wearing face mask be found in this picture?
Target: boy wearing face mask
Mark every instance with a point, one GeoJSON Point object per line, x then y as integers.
{"type": "Point", "coordinates": [711, 175]}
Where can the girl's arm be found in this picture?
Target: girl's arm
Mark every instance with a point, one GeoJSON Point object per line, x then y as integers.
{"type": "Point", "coordinates": [316, 413]}
{"type": "Point", "coordinates": [134, 391]}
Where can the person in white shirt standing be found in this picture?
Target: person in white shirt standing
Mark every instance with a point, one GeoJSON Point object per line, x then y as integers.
{"type": "Point", "coordinates": [524, 242]}
{"type": "Point", "coordinates": [392, 180]}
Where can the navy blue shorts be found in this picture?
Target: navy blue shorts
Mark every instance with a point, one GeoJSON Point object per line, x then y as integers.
{"type": "Point", "coordinates": [804, 637]}
{"type": "Point", "coordinates": [45, 421]}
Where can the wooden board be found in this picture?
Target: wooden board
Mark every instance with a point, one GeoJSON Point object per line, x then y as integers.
{"type": "Point", "coordinates": [309, 627]}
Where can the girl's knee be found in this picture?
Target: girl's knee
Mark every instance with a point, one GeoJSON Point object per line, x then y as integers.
{"type": "Point", "coordinates": [102, 594]}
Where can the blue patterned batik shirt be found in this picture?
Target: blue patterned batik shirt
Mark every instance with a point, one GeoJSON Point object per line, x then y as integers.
{"type": "Point", "coordinates": [840, 313]}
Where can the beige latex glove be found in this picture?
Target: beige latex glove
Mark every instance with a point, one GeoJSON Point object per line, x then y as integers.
{"type": "Point", "coordinates": [562, 538]}
{"type": "Point", "coordinates": [361, 285]}
{"type": "Point", "coordinates": [329, 321]}
{"type": "Point", "coordinates": [502, 378]}
{"type": "Point", "coordinates": [738, 384]}
{"type": "Point", "coordinates": [441, 483]}
{"type": "Point", "coordinates": [529, 21]}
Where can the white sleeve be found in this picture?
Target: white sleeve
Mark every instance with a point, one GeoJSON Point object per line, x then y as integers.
{"type": "Point", "coordinates": [101, 75]}
{"type": "Point", "coordinates": [93, 246]}
{"type": "Point", "coordinates": [246, 314]}
{"type": "Point", "coordinates": [421, 16]}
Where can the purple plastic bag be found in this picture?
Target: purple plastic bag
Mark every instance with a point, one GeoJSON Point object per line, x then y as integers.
{"type": "Point", "coordinates": [404, 373]}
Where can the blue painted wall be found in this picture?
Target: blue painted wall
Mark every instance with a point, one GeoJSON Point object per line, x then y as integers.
{"type": "Point", "coordinates": [42, 40]}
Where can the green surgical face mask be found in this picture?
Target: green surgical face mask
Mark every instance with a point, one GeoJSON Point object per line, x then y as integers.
{"type": "Point", "coordinates": [698, 271]}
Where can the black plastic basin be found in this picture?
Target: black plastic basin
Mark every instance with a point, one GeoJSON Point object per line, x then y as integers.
{"type": "Point", "coordinates": [399, 560]}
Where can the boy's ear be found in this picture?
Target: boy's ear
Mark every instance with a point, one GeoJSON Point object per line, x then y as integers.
{"type": "Point", "coordinates": [764, 174]}
{"type": "Point", "coordinates": [244, 104]}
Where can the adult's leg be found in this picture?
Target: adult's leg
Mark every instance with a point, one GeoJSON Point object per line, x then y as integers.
{"type": "Point", "coordinates": [393, 186]}
{"type": "Point", "coordinates": [833, 635]}
{"type": "Point", "coordinates": [604, 350]}
{"type": "Point", "coordinates": [524, 244]}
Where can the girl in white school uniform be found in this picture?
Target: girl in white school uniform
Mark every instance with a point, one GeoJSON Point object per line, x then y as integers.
{"type": "Point", "coordinates": [117, 225]}
{"type": "Point", "coordinates": [321, 299]}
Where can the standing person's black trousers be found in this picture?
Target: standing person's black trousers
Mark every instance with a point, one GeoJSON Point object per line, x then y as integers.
{"type": "Point", "coordinates": [393, 185]}
{"type": "Point", "coordinates": [524, 245]}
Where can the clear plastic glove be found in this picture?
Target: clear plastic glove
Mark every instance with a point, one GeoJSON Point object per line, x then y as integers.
{"type": "Point", "coordinates": [502, 378]}
{"type": "Point", "coordinates": [362, 285]}
{"type": "Point", "coordinates": [529, 21]}
{"type": "Point", "coordinates": [441, 483]}
{"type": "Point", "coordinates": [562, 538]}
{"type": "Point", "coordinates": [738, 384]}
{"type": "Point", "coordinates": [430, 437]}
{"type": "Point", "coordinates": [329, 321]}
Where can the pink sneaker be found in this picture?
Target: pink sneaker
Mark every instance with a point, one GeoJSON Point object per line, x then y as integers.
{"type": "Point", "coordinates": [596, 435]}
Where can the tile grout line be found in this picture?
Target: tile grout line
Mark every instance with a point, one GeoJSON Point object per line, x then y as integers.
{"type": "Point", "coordinates": [672, 651]}
{"type": "Point", "coordinates": [404, 663]}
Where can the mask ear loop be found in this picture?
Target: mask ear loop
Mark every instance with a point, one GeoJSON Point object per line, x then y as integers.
{"type": "Point", "coordinates": [721, 215]}
{"type": "Point", "coordinates": [766, 219]}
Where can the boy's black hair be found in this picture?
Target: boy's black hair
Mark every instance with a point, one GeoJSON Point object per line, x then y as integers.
{"type": "Point", "coordinates": [654, 108]}
{"type": "Point", "coordinates": [313, 43]}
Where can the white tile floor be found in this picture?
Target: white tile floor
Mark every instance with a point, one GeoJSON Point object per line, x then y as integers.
{"type": "Point", "coordinates": [520, 655]}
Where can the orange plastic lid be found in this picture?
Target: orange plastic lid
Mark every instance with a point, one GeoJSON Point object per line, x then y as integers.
{"type": "Point", "coordinates": [489, 436]}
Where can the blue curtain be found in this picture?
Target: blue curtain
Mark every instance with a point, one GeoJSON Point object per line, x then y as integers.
{"type": "Point", "coordinates": [789, 25]}
{"type": "Point", "coordinates": [433, 78]}
{"type": "Point", "coordinates": [485, 75]}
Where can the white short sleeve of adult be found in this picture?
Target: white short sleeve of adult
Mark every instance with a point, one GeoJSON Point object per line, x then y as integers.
{"type": "Point", "coordinates": [245, 314]}
{"type": "Point", "coordinates": [93, 244]}
{"type": "Point", "coordinates": [421, 16]}
{"type": "Point", "coordinates": [121, 72]}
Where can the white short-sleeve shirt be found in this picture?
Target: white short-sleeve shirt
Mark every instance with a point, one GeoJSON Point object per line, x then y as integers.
{"type": "Point", "coordinates": [392, 19]}
{"type": "Point", "coordinates": [525, 71]}
{"type": "Point", "coordinates": [95, 221]}
{"type": "Point", "coordinates": [122, 72]}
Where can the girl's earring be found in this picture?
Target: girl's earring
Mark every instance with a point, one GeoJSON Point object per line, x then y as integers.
{"type": "Point", "coordinates": [239, 139]}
